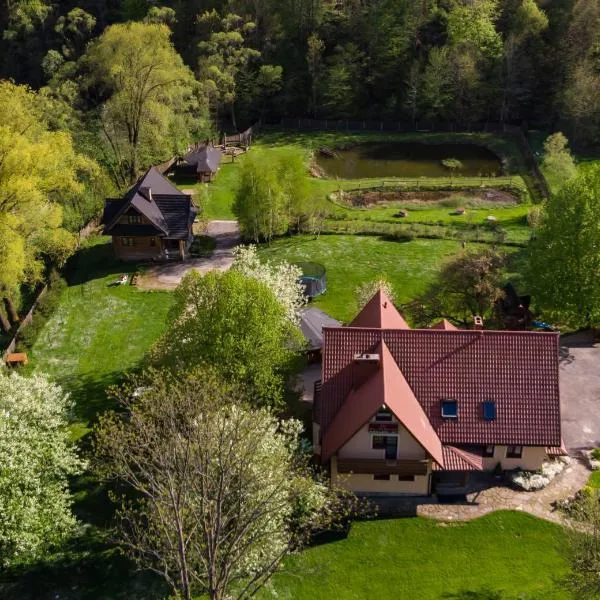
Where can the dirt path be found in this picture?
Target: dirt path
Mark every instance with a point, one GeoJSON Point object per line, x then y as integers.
{"type": "Point", "coordinates": [167, 276]}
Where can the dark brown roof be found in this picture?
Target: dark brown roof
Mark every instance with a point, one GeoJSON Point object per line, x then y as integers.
{"type": "Point", "coordinates": [205, 158]}
{"type": "Point", "coordinates": [386, 386]}
{"type": "Point", "coordinates": [516, 370]}
{"type": "Point", "coordinates": [170, 212]}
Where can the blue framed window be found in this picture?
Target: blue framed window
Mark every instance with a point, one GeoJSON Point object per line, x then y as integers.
{"type": "Point", "coordinates": [489, 410]}
{"type": "Point", "coordinates": [449, 409]}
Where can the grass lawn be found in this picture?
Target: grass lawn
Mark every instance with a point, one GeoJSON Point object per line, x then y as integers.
{"type": "Point", "coordinates": [353, 259]}
{"type": "Point", "coordinates": [221, 191]}
{"type": "Point", "coordinates": [99, 331]}
{"type": "Point", "coordinates": [594, 480]}
{"type": "Point", "coordinates": [502, 556]}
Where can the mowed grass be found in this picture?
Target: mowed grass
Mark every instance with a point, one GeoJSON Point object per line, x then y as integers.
{"type": "Point", "coordinates": [352, 259]}
{"type": "Point", "coordinates": [99, 332]}
{"type": "Point", "coordinates": [509, 554]}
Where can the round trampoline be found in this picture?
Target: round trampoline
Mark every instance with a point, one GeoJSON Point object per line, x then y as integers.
{"type": "Point", "coordinates": [313, 278]}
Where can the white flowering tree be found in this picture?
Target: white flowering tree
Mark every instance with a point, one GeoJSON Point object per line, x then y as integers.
{"type": "Point", "coordinates": [224, 493]}
{"type": "Point", "coordinates": [283, 278]}
{"type": "Point", "coordinates": [366, 290]}
{"type": "Point", "coordinates": [36, 458]}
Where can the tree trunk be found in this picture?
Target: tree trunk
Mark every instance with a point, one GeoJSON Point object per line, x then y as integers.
{"type": "Point", "coordinates": [12, 311]}
{"type": "Point", "coordinates": [4, 323]}
{"type": "Point", "coordinates": [233, 121]}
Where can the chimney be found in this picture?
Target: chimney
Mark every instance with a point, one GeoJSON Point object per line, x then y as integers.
{"type": "Point", "coordinates": [477, 323]}
{"type": "Point", "coordinates": [363, 367]}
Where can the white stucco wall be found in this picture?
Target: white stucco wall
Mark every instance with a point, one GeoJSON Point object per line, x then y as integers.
{"type": "Point", "coordinates": [359, 446]}
{"type": "Point", "coordinates": [531, 459]}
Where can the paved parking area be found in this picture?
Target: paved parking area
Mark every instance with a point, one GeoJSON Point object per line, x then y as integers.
{"type": "Point", "coordinates": [169, 275]}
{"type": "Point", "coordinates": [580, 392]}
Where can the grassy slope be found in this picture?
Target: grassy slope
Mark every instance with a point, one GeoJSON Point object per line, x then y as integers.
{"type": "Point", "coordinates": [512, 554]}
{"type": "Point", "coordinates": [98, 331]}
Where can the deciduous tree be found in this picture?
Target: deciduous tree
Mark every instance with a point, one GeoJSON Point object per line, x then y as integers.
{"type": "Point", "coordinates": [565, 255]}
{"type": "Point", "coordinates": [469, 284]}
{"type": "Point", "coordinates": [236, 324]}
{"type": "Point", "coordinates": [281, 278]}
{"type": "Point", "coordinates": [558, 163]}
{"type": "Point", "coordinates": [37, 457]}
{"type": "Point", "coordinates": [148, 92]}
{"type": "Point", "coordinates": [223, 492]}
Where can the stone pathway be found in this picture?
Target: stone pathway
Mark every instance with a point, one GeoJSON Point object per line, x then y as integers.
{"type": "Point", "coordinates": [539, 504]}
{"type": "Point", "coordinates": [169, 275]}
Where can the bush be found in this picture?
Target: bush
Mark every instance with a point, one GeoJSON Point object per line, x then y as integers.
{"type": "Point", "coordinates": [532, 481]}
{"type": "Point", "coordinates": [596, 453]}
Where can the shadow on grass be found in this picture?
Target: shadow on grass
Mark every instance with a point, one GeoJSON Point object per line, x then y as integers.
{"type": "Point", "coordinates": [89, 568]}
{"type": "Point", "coordinates": [95, 261]}
{"type": "Point", "coordinates": [89, 394]}
{"type": "Point", "coordinates": [482, 594]}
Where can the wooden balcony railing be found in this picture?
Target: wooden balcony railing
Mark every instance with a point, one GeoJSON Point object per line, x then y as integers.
{"type": "Point", "coordinates": [368, 466]}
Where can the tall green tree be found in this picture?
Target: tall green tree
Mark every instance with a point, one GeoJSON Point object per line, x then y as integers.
{"type": "Point", "coordinates": [40, 171]}
{"type": "Point", "coordinates": [235, 324]}
{"type": "Point", "coordinates": [224, 54]}
{"type": "Point", "coordinates": [149, 96]}
{"type": "Point", "coordinates": [468, 284]}
{"type": "Point", "coordinates": [260, 200]}
{"type": "Point", "coordinates": [558, 163]}
{"type": "Point", "coordinates": [565, 255]}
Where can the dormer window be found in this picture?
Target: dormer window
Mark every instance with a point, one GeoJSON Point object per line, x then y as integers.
{"type": "Point", "coordinates": [384, 415]}
{"type": "Point", "coordinates": [449, 409]}
{"type": "Point", "coordinates": [489, 410]}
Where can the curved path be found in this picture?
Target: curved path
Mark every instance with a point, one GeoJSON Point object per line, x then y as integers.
{"type": "Point", "coordinates": [169, 275]}
{"type": "Point", "coordinates": [539, 503]}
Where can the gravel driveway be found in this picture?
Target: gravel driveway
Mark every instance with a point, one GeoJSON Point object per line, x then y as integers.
{"type": "Point", "coordinates": [169, 275]}
{"type": "Point", "coordinates": [580, 391]}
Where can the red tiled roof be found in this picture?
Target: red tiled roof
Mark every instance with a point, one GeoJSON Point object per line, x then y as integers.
{"type": "Point", "coordinates": [516, 370]}
{"type": "Point", "coordinates": [456, 459]}
{"type": "Point", "coordinates": [386, 386]}
{"type": "Point", "coordinates": [554, 451]}
{"type": "Point", "coordinates": [381, 313]}
{"type": "Point", "coordinates": [444, 324]}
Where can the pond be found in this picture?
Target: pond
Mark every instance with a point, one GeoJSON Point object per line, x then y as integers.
{"type": "Point", "coordinates": [408, 159]}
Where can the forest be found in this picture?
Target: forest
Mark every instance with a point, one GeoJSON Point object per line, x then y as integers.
{"type": "Point", "coordinates": [103, 89]}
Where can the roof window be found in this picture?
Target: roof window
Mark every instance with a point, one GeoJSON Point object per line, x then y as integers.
{"type": "Point", "coordinates": [489, 410]}
{"type": "Point", "coordinates": [449, 409]}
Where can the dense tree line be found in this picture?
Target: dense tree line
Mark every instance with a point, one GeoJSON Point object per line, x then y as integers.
{"type": "Point", "coordinates": [503, 60]}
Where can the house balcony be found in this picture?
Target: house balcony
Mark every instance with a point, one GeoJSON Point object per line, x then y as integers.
{"type": "Point", "coordinates": [369, 466]}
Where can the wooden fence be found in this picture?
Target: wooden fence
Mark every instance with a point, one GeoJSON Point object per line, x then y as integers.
{"type": "Point", "coordinates": [83, 233]}
{"type": "Point", "coordinates": [26, 321]}
{"type": "Point", "coordinates": [244, 138]}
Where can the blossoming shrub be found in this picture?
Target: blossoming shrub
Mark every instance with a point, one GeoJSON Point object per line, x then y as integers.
{"type": "Point", "coordinates": [36, 458]}
{"type": "Point", "coordinates": [531, 481]}
{"type": "Point", "coordinates": [283, 279]}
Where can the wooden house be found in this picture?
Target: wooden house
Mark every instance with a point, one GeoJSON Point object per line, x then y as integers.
{"type": "Point", "coordinates": [203, 161]}
{"type": "Point", "coordinates": [153, 220]}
